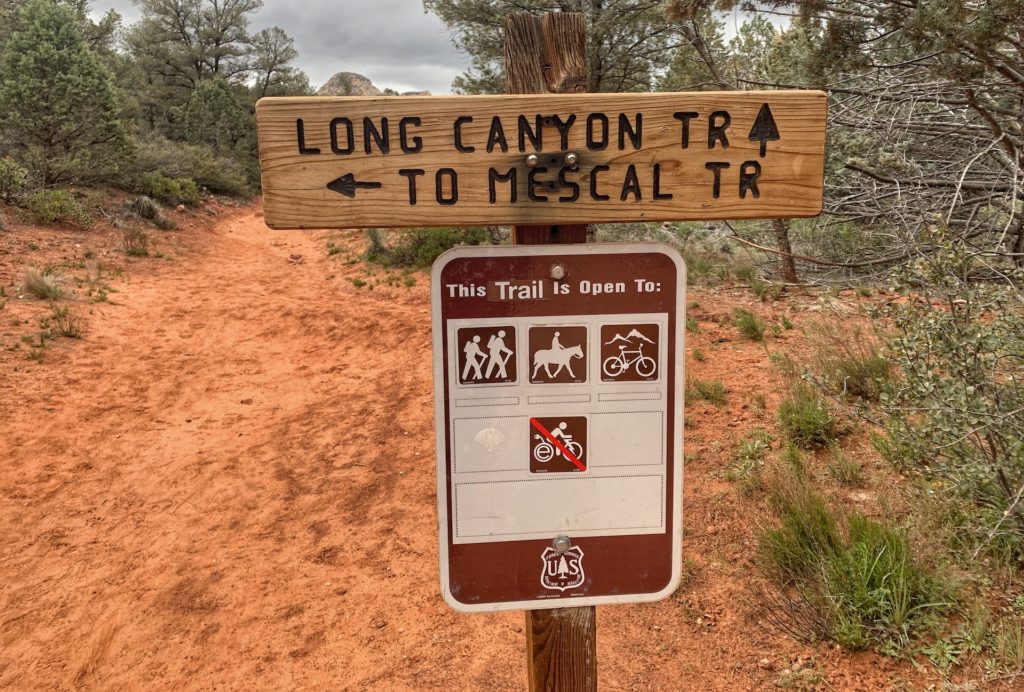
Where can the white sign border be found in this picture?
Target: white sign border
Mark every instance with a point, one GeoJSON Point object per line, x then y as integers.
{"type": "Point", "coordinates": [440, 432]}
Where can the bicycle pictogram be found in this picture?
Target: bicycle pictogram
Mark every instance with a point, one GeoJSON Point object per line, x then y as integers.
{"type": "Point", "coordinates": [614, 366]}
{"type": "Point", "coordinates": [629, 352]}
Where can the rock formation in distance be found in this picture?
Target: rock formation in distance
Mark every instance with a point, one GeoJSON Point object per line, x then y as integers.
{"type": "Point", "coordinates": [352, 84]}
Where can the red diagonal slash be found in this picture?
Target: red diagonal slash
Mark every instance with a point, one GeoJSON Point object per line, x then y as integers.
{"type": "Point", "coordinates": [561, 447]}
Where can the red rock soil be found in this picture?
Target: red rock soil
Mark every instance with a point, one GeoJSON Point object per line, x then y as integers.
{"type": "Point", "coordinates": [229, 484]}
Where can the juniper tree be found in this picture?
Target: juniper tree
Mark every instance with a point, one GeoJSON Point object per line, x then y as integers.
{"type": "Point", "coordinates": [59, 111]}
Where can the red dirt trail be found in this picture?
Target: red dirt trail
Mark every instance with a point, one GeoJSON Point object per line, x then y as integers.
{"type": "Point", "coordinates": [229, 484]}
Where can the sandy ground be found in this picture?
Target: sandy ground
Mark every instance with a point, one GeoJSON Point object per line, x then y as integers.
{"type": "Point", "coordinates": [229, 484]}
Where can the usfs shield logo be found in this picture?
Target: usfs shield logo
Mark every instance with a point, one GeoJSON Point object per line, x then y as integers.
{"type": "Point", "coordinates": [562, 570]}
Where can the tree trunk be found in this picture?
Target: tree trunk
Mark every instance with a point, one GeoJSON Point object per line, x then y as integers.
{"type": "Point", "coordinates": [1018, 247]}
{"type": "Point", "coordinates": [787, 265]}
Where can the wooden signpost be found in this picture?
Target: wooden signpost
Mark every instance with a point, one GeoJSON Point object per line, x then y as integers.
{"type": "Point", "coordinates": [548, 159]}
{"type": "Point", "coordinates": [540, 159]}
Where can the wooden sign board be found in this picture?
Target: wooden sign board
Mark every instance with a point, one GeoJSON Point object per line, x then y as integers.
{"type": "Point", "coordinates": [559, 424]}
{"type": "Point", "coordinates": [353, 162]}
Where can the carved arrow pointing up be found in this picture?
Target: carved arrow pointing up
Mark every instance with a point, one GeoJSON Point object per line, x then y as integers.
{"type": "Point", "coordinates": [347, 185]}
{"type": "Point", "coordinates": [764, 129]}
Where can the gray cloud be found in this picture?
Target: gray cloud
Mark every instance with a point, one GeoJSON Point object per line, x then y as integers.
{"type": "Point", "coordinates": [393, 42]}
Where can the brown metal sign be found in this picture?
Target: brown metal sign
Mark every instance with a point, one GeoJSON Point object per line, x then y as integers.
{"type": "Point", "coordinates": [350, 162]}
{"type": "Point", "coordinates": [558, 377]}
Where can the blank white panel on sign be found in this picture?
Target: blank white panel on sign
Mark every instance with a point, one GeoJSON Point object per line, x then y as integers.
{"type": "Point", "coordinates": [627, 439]}
{"type": "Point", "coordinates": [576, 507]}
{"type": "Point", "coordinates": [490, 444]}
{"type": "Point", "coordinates": [629, 396]}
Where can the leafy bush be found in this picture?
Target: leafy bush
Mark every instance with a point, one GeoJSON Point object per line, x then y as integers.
{"type": "Point", "coordinates": [13, 179]}
{"type": "Point", "coordinates": [856, 582]}
{"type": "Point", "coordinates": [749, 324]}
{"type": "Point", "coordinates": [805, 418]}
{"type": "Point", "coordinates": [48, 207]}
{"type": "Point", "coordinates": [41, 284]}
{"type": "Point", "coordinates": [218, 174]}
{"type": "Point", "coordinates": [954, 414]}
{"type": "Point", "coordinates": [172, 191]}
{"type": "Point", "coordinates": [420, 247]}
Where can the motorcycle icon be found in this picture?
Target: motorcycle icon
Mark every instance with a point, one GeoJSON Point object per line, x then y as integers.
{"type": "Point", "coordinates": [545, 451]}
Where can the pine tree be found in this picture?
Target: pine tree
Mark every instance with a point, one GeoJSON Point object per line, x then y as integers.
{"type": "Point", "coordinates": [58, 105]}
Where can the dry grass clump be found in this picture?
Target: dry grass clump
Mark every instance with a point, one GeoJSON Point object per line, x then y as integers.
{"type": "Point", "coordinates": [41, 284]}
{"type": "Point", "coordinates": [135, 242]}
{"type": "Point", "coordinates": [849, 358]}
{"type": "Point", "coordinates": [64, 322]}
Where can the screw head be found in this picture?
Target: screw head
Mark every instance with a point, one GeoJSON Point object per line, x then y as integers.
{"type": "Point", "coordinates": [571, 159]}
{"type": "Point", "coordinates": [532, 160]}
{"type": "Point", "coordinates": [558, 271]}
{"type": "Point", "coordinates": [561, 544]}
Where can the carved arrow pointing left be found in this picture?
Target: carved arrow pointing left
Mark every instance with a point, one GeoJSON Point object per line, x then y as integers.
{"type": "Point", "coordinates": [347, 185]}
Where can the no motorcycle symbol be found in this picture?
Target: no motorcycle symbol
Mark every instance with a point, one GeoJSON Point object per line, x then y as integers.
{"type": "Point", "coordinates": [558, 444]}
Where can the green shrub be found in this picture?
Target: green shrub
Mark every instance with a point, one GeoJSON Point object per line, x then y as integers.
{"type": "Point", "coordinates": [856, 582]}
{"type": "Point", "coordinates": [749, 324]}
{"type": "Point", "coordinates": [793, 460]}
{"type": "Point", "coordinates": [420, 247]}
{"type": "Point", "coordinates": [954, 412]}
{"type": "Point", "coordinates": [712, 391]}
{"type": "Point", "coordinates": [41, 284]}
{"type": "Point", "coordinates": [13, 179]}
{"type": "Point", "coordinates": [171, 191]}
{"type": "Point", "coordinates": [765, 291]}
{"type": "Point", "coordinates": [48, 207]}
{"type": "Point", "coordinates": [805, 418]}
{"type": "Point", "coordinates": [747, 461]}
{"type": "Point", "coordinates": [218, 174]}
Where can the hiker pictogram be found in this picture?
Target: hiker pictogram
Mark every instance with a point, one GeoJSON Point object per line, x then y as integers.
{"type": "Point", "coordinates": [487, 355]}
{"type": "Point", "coordinates": [558, 444]}
{"type": "Point", "coordinates": [629, 352]}
{"type": "Point", "coordinates": [558, 355]}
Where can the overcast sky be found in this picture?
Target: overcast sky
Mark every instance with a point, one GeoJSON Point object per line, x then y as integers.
{"type": "Point", "coordinates": [390, 41]}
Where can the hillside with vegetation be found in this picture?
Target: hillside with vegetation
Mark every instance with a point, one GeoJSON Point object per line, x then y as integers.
{"type": "Point", "coordinates": [162, 108]}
